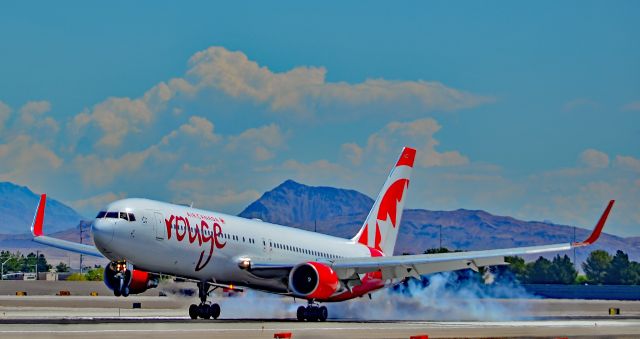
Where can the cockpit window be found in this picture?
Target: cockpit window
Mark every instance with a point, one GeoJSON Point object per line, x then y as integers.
{"type": "Point", "coordinates": [101, 215]}
{"type": "Point", "coordinates": [113, 215]}
{"type": "Point", "coordinates": [124, 216]}
{"type": "Point", "coordinates": [132, 217]}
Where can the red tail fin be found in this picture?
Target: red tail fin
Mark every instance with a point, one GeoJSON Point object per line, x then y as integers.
{"type": "Point", "coordinates": [38, 220]}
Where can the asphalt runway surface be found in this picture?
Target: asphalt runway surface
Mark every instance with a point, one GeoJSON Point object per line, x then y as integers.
{"type": "Point", "coordinates": [41, 314]}
{"type": "Point", "coordinates": [109, 317]}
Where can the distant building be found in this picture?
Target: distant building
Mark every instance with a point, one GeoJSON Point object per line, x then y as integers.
{"type": "Point", "coordinates": [48, 276]}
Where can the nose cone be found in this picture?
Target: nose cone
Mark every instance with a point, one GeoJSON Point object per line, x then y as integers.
{"type": "Point", "coordinates": [102, 230]}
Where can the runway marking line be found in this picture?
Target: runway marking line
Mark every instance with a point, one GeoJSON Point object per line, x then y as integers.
{"type": "Point", "coordinates": [580, 324]}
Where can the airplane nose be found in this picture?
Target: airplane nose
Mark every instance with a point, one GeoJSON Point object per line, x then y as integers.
{"type": "Point", "coordinates": [102, 230]}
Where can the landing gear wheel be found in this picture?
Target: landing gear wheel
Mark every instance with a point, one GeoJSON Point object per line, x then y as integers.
{"type": "Point", "coordinates": [193, 311]}
{"type": "Point", "coordinates": [301, 314]}
{"type": "Point", "coordinates": [203, 311]}
{"type": "Point", "coordinates": [323, 313]}
{"type": "Point", "coordinates": [312, 313]}
{"type": "Point", "coordinates": [214, 311]}
{"type": "Point", "coordinates": [116, 292]}
{"type": "Point", "coordinates": [125, 291]}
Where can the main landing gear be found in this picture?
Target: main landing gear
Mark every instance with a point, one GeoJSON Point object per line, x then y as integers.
{"type": "Point", "coordinates": [312, 312]}
{"type": "Point", "coordinates": [204, 310]}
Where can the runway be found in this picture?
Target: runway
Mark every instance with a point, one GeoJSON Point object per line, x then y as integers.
{"type": "Point", "coordinates": [48, 316]}
{"type": "Point", "coordinates": [620, 328]}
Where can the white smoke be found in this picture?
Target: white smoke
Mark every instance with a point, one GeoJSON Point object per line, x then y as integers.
{"type": "Point", "coordinates": [440, 300]}
{"type": "Point", "coordinates": [446, 297]}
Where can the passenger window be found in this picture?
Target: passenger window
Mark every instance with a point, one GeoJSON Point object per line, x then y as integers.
{"type": "Point", "coordinates": [101, 214]}
{"type": "Point", "coordinates": [132, 217]}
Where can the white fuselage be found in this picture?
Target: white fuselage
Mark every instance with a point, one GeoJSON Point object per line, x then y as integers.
{"type": "Point", "coordinates": [204, 245]}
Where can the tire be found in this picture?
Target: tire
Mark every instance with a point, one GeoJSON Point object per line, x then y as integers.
{"type": "Point", "coordinates": [301, 313]}
{"type": "Point", "coordinates": [214, 311]}
{"type": "Point", "coordinates": [117, 293]}
{"type": "Point", "coordinates": [125, 291]}
{"type": "Point", "coordinates": [193, 311]}
{"type": "Point", "coordinates": [323, 313]}
{"type": "Point", "coordinates": [203, 311]}
{"type": "Point", "coordinates": [312, 314]}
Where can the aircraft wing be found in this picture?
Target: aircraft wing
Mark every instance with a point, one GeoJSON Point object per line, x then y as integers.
{"type": "Point", "coordinates": [400, 267]}
{"type": "Point", "coordinates": [39, 237]}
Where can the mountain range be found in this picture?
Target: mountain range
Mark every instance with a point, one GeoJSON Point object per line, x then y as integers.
{"type": "Point", "coordinates": [18, 206]}
{"type": "Point", "coordinates": [341, 213]}
{"type": "Point", "coordinates": [338, 212]}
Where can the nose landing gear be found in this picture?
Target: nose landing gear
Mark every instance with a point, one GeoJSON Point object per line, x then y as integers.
{"type": "Point", "coordinates": [122, 278]}
{"type": "Point", "coordinates": [312, 312]}
{"type": "Point", "coordinates": [204, 310]}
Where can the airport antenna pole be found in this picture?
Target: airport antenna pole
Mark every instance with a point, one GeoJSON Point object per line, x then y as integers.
{"type": "Point", "coordinates": [575, 264]}
{"type": "Point", "coordinates": [2, 272]}
{"type": "Point", "coordinates": [81, 243]}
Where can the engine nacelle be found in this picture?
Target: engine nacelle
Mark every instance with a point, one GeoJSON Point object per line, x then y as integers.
{"type": "Point", "coordinates": [125, 281]}
{"type": "Point", "coordinates": [313, 280]}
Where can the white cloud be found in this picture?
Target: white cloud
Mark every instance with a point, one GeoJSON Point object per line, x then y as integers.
{"type": "Point", "coordinates": [99, 171]}
{"type": "Point", "coordinates": [23, 158]}
{"type": "Point", "coordinates": [628, 162]}
{"type": "Point", "coordinates": [298, 92]}
{"type": "Point", "coordinates": [353, 153]}
{"type": "Point", "coordinates": [260, 142]}
{"type": "Point", "coordinates": [304, 89]}
{"type": "Point", "coordinates": [594, 158]}
{"type": "Point", "coordinates": [389, 140]}
{"type": "Point", "coordinates": [5, 113]}
{"type": "Point", "coordinates": [199, 128]}
{"type": "Point", "coordinates": [201, 192]}
{"type": "Point", "coordinates": [32, 109]}
{"type": "Point", "coordinates": [96, 202]}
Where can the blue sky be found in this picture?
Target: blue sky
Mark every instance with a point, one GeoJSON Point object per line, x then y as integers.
{"type": "Point", "coordinates": [530, 110]}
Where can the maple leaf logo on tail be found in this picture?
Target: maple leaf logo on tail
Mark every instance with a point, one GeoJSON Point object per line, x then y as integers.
{"type": "Point", "coordinates": [380, 229]}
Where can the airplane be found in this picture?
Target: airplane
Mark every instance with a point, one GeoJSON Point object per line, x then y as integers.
{"type": "Point", "coordinates": [145, 238]}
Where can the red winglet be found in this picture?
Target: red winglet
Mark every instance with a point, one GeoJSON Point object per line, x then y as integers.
{"type": "Point", "coordinates": [36, 228]}
{"type": "Point", "coordinates": [407, 157]}
{"type": "Point", "coordinates": [598, 229]}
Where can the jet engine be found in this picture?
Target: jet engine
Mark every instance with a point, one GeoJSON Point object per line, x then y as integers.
{"type": "Point", "coordinates": [124, 281]}
{"type": "Point", "coordinates": [313, 280]}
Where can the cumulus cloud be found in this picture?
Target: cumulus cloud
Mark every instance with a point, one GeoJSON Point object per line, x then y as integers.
{"type": "Point", "coordinates": [628, 162]}
{"type": "Point", "coordinates": [23, 158]}
{"type": "Point", "coordinates": [352, 152]}
{"type": "Point", "coordinates": [32, 109]}
{"type": "Point", "coordinates": [304, 89]}
{"type": "Point", "coordinates": [5, 112]}
{"type": "Point", "coordinates": [197, 127]}
{"type": "Point", "coordinates": [97, 202]}
{"type": "Point", "coordinates": [391, 138]}
{"type": "Point", "coordinates": [298, 92]}
{"type": "Point", "coordinates": [201, 192]}
{"type": "Point", "coordinates": [98, 171]}
{"type": "Point", "coordinates": [259, 142]}
{"type": "Point", "coordinates": [594, 158]}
